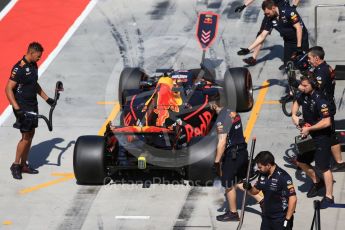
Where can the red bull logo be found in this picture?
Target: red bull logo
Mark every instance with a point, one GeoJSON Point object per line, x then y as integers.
{"type": "Point", "coordinates": [202, 130]}
{"type": "Point", "coordinates": [208, 20]}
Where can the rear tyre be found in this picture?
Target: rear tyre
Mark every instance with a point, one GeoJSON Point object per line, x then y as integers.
{"type": "Point", "coordinates": [129, 79]}
{"type": "Point", "coordinates": [200, 160]}
{"type": "Point", "coordinates": [89, 161]}
{"type": "Point", "coordinates": [238, 89]}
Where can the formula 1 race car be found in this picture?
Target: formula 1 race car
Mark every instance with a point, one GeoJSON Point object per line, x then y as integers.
{"type": "Point", "coordinates": [166, 121]}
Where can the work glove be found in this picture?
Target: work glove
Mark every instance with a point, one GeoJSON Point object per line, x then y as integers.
{"type": "Point", "coordinates": [299, 52]}
{"type": "Point", "coordinates": [287, 225]}
{"type": "Point", "coordinates": [217, 167]}
{"type": "Point", "coordinates": [19, 114]}
{"type": "Point", "coordinates": [243, 51]}
{"type": "Point", "coordinates": [50, 101]}
{"type": "Point", "coordinates": [247, 185]}
{"type": "Point", "coordinates": [240, 8]}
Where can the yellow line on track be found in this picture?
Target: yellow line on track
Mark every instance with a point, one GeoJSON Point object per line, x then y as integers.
{"type": "Point", "coordinates": [111, 117]}
{"type": "Point", "coordinates": [256, 110]}
{"type": "Point", "coordinates": [63, 177]}
{"type": "Point", "coordinates": [7, 222]}
{"type": "Point", "coordinates": [69, 176]}
{"type": "Point", "coordinates": [106, 102]}
{"type": "Point", "coordinates": [275, 102]}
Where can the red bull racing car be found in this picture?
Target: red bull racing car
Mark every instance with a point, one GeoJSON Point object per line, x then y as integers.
{"type": "Point", "coordinates": [165, 122]}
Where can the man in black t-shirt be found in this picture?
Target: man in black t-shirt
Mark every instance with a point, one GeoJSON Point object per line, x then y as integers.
{"type": "Point", "coordinates": [231, 157]}
{"type": "Point", "coordinates": [287, 21]}
{"type": "Point", "coordinates": [21, 90]}
{"type": "Point", "coordinates": [280, 3]}
{"type": "Point", "coordinates": [325, 76]}
{"type": "Point", "coordinates": [280, 198]}
{"type": "Point", "coordinates": [316, 113]}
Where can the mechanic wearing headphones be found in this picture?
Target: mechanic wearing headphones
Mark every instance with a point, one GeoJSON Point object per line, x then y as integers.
{"type": "Point", "coordinates": [21, 90]}
{"type": "Point", "coordinates": [279, 193]}
{"type": "Point", "coordinates": [289, 24]}
{"type": "Point", "coordinates": [231, 159]}
{"type": "Point", "coordinates": [325, 77]}
{"type": "Point", "coordinates": [316, 113]}
{"type": "Point", "coordinates": [252, 60]}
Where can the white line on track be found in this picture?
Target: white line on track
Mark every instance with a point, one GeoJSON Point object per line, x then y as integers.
{"type": "Point", "coordinates": [132, 217]}
{"type": "Point", "coordinates": [57, 49]}
{"type": "Point", "coordinates": [7, 8]}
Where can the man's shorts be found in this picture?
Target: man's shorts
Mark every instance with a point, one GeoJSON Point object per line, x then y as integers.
{"type": "Point", "coordinates": [274, 224]}
{"type": "Point", "coordinates": [290, 48]}
{"type": "Point", "coordinates": [322, 154]}
{"type": "Point", "coordinates": [234, 171]}
{"type": "Point", "coordinates": [29, 121]}
{"type": "Point", "coordinates": [334, 138]}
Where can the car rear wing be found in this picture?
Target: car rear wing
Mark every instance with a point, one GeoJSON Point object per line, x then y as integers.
{"type": "Point", "coordinates": [130, 130]}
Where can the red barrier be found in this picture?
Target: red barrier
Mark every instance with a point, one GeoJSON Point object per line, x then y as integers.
{"type": "Point", "coordinates": [33, 20]}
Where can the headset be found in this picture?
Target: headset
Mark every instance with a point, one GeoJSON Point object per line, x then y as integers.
{"type": "Point", "coordinates": [312, 80]}
{"type": "Point", "coordinates": [301, 62]}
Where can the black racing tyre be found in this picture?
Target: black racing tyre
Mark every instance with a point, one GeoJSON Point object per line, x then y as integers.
{"type": "Point", "coordinates": [286, 106]}
{"type": "Point", "coordinates": [238, 89]}
{"type": "Point", "coordinates": [88, 160]}
{"type": "Point", "coordinates": [201, 153]}
{"type": "Point", "coordinates": [129, 79]}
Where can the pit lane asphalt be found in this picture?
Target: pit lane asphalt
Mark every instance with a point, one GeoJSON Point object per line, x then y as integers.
{"type": "Point", "coordinates": [153, 34]}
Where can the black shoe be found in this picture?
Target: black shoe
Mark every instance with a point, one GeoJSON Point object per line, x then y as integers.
{"type": "Point", "coordinates": [338, 167]}
{"type": "Point", "coordinates": [250, 61]}
{"type": "Point", "coordinates": [326, 202]}
{"type": "Point", "coordinates": [16, 171]}
{"type": "Point", "coordinates": [314, 190]}
{"type": "Point", "coordinates": [228, 216]}
{"type": "Point", "coordinates": [27, 169]}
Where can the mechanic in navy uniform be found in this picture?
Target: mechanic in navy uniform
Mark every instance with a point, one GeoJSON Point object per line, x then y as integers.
{"type": "Point", "coordinates": [231, 157]}
{"type": "Point", "coordinates": [280, 198]}
{"type": "Point", "coordinates": [21, 90]}
{"type": "Point", "coordinates": [325, 76]}
{"type": "Point", "coordinates": [280, 3]}
{"type": "Point", "coordinates": [316, 113]}
{"type": "Point", "coordinates": [286, 20]}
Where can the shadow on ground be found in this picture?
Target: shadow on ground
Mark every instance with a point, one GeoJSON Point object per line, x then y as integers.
{"type": "Point", "coordinates": [39, 153]}
{"type": "Point", "coordinates": [251, 202]}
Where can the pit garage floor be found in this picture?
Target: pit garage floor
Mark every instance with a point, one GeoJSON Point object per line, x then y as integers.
{"type": "Point", "coordinates": [155, 34]}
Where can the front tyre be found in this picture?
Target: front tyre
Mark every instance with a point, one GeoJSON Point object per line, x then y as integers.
{"type": "Point", "coordinates": [238, 89]}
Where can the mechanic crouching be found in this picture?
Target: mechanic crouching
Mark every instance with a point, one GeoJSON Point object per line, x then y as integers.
{"type": "Point", "coordinates": [231, 159]}
{"type": "Point", "coordinates": [316, 113]}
